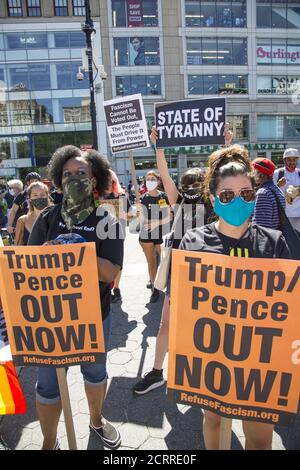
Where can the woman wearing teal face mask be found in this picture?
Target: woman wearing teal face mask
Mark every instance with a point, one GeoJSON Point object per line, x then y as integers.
{"type": "Point", "coordinates": [230, 186]}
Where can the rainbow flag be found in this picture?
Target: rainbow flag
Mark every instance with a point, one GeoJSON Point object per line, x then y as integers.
{"type": "Point", "coordinates": [11, 397]}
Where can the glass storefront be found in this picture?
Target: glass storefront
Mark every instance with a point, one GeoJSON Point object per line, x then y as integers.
{"type": "Point", "coordinates": [134, 13]}
{"type": "Point", "coordinates": [278, 14]}
{"type": "Point", "coordinates": [217, 84]}
{"type": "Point", "coordinates": [147, 85]}
{"type": "Point", "coordinates": [216, 14]}
{"type": "Point", "coordinates": [219, 51]}
{"type": "Point", "coordinates": [278, 84]}
{"type": "Point", "coordinates": [136, 51]}
{"type": "Point", "coordinates": [278, 127]}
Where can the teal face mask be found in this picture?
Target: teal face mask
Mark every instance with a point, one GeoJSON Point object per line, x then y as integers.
{"type": "Point", "coordinates": [236, 212]}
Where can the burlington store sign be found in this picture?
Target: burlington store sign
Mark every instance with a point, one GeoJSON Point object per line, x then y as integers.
{"type": "Point", "coordinates": [278, 54]}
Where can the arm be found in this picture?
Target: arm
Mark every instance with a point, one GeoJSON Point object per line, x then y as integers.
{"type": "Point", "coordinates": [12, 217]}
{"type": "Point", "coordinates": [107, 271]}
{"type": "Point", "coordinates": [169, 185]}
{"type": "Point", "coordinates": [20, 231]}
{"type": "Point", "coordinates": [263, 211]}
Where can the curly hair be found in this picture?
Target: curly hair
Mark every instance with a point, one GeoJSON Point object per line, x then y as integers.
{"type": "Point", "coordinates": [99, 166]}
{"type": "Point", "coordinates": [229, 161]}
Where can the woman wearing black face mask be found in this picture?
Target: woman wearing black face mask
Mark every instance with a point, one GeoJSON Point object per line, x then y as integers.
{"type": "Point", "coordinates": [39, 199]}
{"type": "Point", "coordinates": [195, 211]}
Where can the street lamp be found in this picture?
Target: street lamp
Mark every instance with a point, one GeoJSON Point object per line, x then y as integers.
{"type": "Point", "coordinates": [89, 30]}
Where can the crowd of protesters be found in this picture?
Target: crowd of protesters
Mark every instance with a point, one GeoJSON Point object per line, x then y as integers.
{"type": "Point", "coordinates": [235, 203]}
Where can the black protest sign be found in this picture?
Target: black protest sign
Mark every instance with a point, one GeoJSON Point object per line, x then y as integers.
{"type": "Point", "coordinates": [54, 316]}
{"type": "Point", "coordinates": [190, 122]}
{"type": "Point", "coordinates": [126, 124]}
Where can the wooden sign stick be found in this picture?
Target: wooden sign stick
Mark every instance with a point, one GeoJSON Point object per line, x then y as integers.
{"type": "Point", "coordinates": [66, 406]}
{"type": "Point", "coordinates": [225, 434]}
{"type": "Point", "coordinates": [133, 173]}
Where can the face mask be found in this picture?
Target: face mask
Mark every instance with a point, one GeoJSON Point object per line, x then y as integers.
{"type": "Point", "coordinates": [78, 202]}
{"type": "Point", "coordinates": [191, 195]}
{"type": "Point", "coordinates": [151, 185]}
{"type": "Point", "coordinates": [12, 192]}
{"type": "Point", "coordinates": [235, 212]}
{"type": "Point", "coordinates": [40, 203]}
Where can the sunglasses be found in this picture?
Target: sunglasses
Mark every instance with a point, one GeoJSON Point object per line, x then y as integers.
{"type": "Point", "coordinates": [226, 196]}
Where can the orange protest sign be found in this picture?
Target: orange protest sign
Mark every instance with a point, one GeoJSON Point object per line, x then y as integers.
{"type": "Point", "coordinates": [234, 345]}
{"type": "Point", "coordinates": [50, 297]}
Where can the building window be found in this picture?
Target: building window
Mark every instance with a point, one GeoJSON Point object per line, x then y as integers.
{"type": "Point", "coordinates": [61, 7]}
{"type": "Point", "coordinates": [278, 84]}
{"type": "Point", "coordinates": [78, 8]}
{"type": "Point", "coordinates": [14, 8]}
{"type": "Point", "coordinates": [134, 13]}
{"type": "Point", "coordinates": [136, 51]}
{"type": "Point", "coordinates": [66, 77]}
{"type": "Point", "coordinates": [71, 40]}
{"type": "Point", "coordinates": [17, 41]}
{"type": "Point", "coordinates": [220, 51]}
{"type": "Point", "coordinates": [278, 127]}
{"type": "Point", "coordinates": [278, 14]}
{"type": "Point", "coordinates": [33, 8]}
{"type": "Point", "coordinates": [217, 84]}
{"type": "Point", "coordinates": [239, 126]}
{"type": "Point", "coordinates": [147, 85]}
{"type": "Point", "coordinates": [216, 14]}
{"type": "Point", "coordinates": [278, 51]}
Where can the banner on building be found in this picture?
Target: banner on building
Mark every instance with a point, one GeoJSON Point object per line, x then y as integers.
{"type": "Point", "coordinates": [235, 336]}
{"type": "Point", "coordinates": [190, 122]}
{"type": "Point", "coordinates": [135, 13]}
{"type": "Point", "coordinates": [126, 123]}
{"type": "Point", "coordinates": [54, 315]}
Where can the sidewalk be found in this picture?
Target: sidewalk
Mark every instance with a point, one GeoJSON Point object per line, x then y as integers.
{"type": "Point", "coordinates": [148, 422]}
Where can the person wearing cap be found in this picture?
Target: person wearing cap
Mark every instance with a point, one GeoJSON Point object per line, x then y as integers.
{"type": "Point", "coordinates": [20, 205]}
{"type": "Point", "coordinates": [266, 211]}
{"type": "Point", "coordinates": [288, 180]}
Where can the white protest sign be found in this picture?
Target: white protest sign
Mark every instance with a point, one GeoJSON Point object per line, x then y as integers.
{"type": "Point", "coordinates": [126, 123]}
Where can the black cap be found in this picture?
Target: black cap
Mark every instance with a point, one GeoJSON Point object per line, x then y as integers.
{"type": "Point", "coordinates": [32, 176]}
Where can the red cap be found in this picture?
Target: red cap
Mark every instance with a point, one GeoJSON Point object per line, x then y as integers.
{"type": "Point", "coordinates": [264, 165]}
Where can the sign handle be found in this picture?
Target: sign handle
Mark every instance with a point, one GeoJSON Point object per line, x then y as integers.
{"type": "Point", "coordinates": [225, 434]}
{"type": "Point", "coordinates": [133, 173]}
{"type": "Point", "coordinates": [66, 406]}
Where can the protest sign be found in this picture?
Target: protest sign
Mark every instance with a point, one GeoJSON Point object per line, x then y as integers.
{"type": "Point", "coordinates": [11, 397]}
{"type": "Point", "coordinates": [235, 336]}
{"type": "Point", "coordinates": [54, 315]}
{"type": "Point", "coordinates": [190, 122]}
{"type": "Point", "coordinates": [5, 352]}
{"type": "Point", "coordinates": [126, 124]}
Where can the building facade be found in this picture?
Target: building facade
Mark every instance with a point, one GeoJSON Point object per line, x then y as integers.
{"type": "Point", "coordinates": [246, 50]}
{"type": "Point", "coordinates": [42, 104]}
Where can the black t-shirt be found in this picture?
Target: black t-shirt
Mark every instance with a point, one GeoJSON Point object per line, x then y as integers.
{"type": "Point", "coordinates": [22, 203]}
{"type": "Point", "coordinates": [192, 215]}
{"type": "Point", "coordinates": [257, 242]}
{"type": "Point", "coordinates": [50, 224]}
{"type": "Point", "coordinates": [157, 208]}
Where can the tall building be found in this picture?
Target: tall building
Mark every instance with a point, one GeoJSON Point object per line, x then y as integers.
{"type": "Point", "coordinates": [248, 51]}
{"type": "Point", "coordinates": [168, 50]}
{"type": "Point", "coordinates": [42, 104]}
